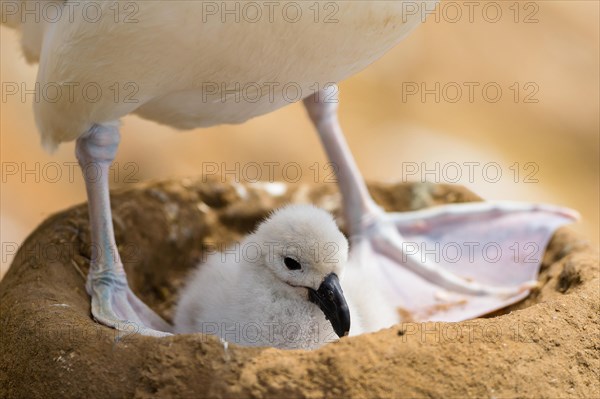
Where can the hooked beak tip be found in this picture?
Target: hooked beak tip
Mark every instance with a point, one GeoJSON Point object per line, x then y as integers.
{"type": "Point", "coordinates": [330, 298]}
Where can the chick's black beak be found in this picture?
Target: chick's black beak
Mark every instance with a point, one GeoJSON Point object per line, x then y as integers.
{"type": "Point", "coordinates": [330, 298]}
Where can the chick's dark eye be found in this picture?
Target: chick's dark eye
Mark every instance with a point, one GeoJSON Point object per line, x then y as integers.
{"type": "Point", "coordinates": [292, 264]}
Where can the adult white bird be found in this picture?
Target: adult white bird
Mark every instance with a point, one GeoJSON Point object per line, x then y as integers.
{"type": "Point", "coordinates": [279, 287]}
{"type": "Point", "coordinates": [191, 63]}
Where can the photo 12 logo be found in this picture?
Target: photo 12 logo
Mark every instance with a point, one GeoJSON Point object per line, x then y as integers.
{"type": "Point", "coordinates": [271, 92]}
{"type": "Point", "coordinates": [52, 11]}
{"type": "Point", "coordinates": [254, 172]}
{"type": "Point", "coordinates": [468, 332]}
{"type": "Point", "coordinates": [470, 92]}
{"type": "Point", "coordinates": [472, 252]}
{"type": "Point", "coordinates": [251, 252]}
{"type": "Point", "coordinates": [292, 12]}
{"type": "Point", "coordinates": [491, 12]}
{"type": "Point", "coordinates": [37, 254]}
{"type": "Point", "coordinates": [66, 172]}
{"type": "Point", "coordinates": [469, 171]}
{"type": "Point", "coordinates": [71, 92]}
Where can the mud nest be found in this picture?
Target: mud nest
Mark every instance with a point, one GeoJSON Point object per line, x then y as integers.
{"type": "Point", "coordinates": [544, 346]}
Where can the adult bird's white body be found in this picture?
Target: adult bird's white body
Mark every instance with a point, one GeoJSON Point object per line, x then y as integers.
{"type": "Point", "coordinates": [265, 290]}
{"type": "Point", "coordinates": [176, 63]}
{"type": "Point", "coordinates": [184, 64]}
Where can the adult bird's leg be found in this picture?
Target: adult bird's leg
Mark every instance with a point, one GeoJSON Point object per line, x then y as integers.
{"type": "Point", "coordinates": [113, 302]}
{"type": "Point", "coordinates": [404, 244]}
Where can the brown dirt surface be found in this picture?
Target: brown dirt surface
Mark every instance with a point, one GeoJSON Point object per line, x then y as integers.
{"type": "Point", "coordinates": [546, 346]}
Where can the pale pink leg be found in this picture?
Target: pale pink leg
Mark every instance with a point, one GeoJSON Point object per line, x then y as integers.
{"type": "Point", "coordinates": [113, 302]}
{"type": "Point", "coordinates": [437, 263]}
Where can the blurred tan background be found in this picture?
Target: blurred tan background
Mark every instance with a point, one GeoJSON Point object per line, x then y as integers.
{"type": "Point", "coordinates": [395, 136]}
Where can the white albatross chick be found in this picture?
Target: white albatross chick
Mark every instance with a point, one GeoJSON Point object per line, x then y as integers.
{"type": "Point", "coordinates": [279, 287]}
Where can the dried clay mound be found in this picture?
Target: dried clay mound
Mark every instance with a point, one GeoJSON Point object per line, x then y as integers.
{"type": "Point", "coordinates": [545, 346]}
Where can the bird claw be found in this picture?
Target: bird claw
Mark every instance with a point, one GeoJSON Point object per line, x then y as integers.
{"type": "Point", "coordinates": [116, 306]}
